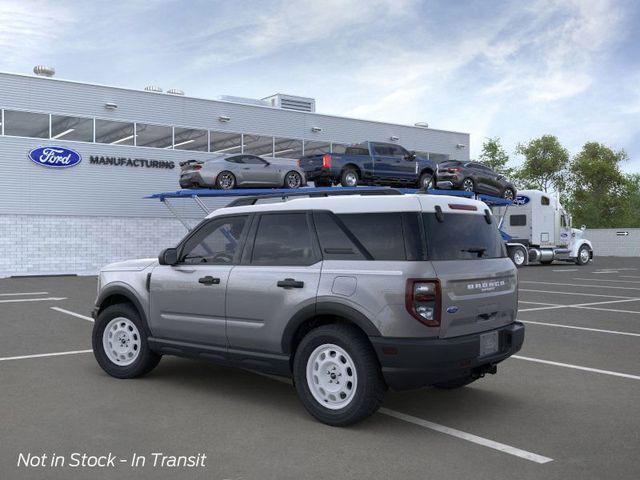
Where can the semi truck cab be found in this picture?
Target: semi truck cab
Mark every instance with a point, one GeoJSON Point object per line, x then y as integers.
{"type": "Point", "coordinates": [538, 229]}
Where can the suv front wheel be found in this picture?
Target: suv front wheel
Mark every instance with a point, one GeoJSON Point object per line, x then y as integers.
{"type": "Point", "coordinates": [120, 342]}
{"type": "Point", "coordinates": [337, 375]}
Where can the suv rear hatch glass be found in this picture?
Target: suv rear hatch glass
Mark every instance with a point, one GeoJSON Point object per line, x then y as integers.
{"type": "Point", "coordinates": [478, 282]}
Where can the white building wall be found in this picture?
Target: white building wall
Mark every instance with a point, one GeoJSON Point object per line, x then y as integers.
{"type": "Point", "coordinates": [612, 242]}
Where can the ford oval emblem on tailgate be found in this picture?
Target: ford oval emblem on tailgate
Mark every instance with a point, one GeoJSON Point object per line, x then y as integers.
{"type": "Point", "coordinates": [452, 309]}
{"type": "Point", "coordinates": [55, 157]}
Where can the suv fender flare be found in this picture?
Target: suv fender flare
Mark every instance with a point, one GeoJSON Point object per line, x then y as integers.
{"type": "Point", "coordinates": [326, 308]}
{"type": "Point", "coordinates": [121, 290]}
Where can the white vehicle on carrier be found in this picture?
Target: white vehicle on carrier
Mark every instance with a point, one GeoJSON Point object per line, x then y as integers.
{"type": "Point", "coordinates": [539, 230]}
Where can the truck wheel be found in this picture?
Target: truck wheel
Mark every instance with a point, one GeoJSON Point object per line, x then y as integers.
{"type": "Point", "coordinates": [508, 194]}
{"type": "Point", "coordinates": [468, 185]}
{"type": "Point", "coordinates": [584, 255]}
{"type": "Point", "coordinates": [225, 180]}
{"type": "Point", "coordinates": [518, 256]}
{"type": "Point", "coordinates": [455, 383]}
{"type": "Point", "coordinates": [349, 178]}
{"type": "Point", "coordinates": [120, 342]}
{"type": "Point", "coordinates": [426, 181]}
{"type": "Point", "coordinates": [337, 375]}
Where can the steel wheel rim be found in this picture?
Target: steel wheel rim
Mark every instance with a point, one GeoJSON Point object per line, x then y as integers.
{"type": "Point", "coordinates": [121, 341]}
{"type": "Point", "coordinates": [427, 183]}
{"type": "Point", "coordinates": [226, 181]}
{"type": "Point", "coordinates": [351, 179]}
{"type": "Point", "coordinates": [293, 180]}
{"type": "Point", "coordinates": [518, 257]}
{"type": "Point", "coordinates": [467, 185]}
{"type": "Point", "coordinates": [508, 194]}
{"type": "Point", "coordinates": [331, 376]}
{"type": "Point", "coordinates": [584, 255]}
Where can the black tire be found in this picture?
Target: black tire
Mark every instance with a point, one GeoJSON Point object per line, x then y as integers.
{"type": "Point", "coordinates": [455, 383]}
{"type": "Point", "coordinates": [509, 194]}
{"type": "Point", "coordinates": [322, 183]}
{"type": "Point", "coordinates": [225, 180]}
{"type": "Point", "coordinates": [370, 386]}
{"type": "Point", "coordinates": [518, 260]}
{"type": "Point", "coordinates": [346, 177]}
{"type": "Point", "coordinates": [146, 359]}
{"type": "Point", "coordinates": [468, 185]}
{"type": "Point", "coordinates": [292, 180]}
{"type": "Point", "coordinates": [426, 181]}
{"type": "Point", "coordinates": [579, 260]}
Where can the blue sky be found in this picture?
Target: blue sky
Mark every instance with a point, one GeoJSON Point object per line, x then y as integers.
{"type": "Point", "coordinates": [515, 69]}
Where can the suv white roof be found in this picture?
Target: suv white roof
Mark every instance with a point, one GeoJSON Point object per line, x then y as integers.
{"type": "Point", "coordinates": [362, 204]}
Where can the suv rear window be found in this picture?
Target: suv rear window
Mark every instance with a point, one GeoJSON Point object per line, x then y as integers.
{"type": "Point", "coordinates": [462, 237]}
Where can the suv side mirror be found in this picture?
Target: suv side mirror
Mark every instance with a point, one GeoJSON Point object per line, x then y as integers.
{"type": "Point", "coordinates": [168, 256]}
{"type": "Point", "coordinates": [411, 156]}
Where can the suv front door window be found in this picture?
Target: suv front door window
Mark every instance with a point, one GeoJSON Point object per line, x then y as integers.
{"type": "Point", "coordinates": [188, 299]}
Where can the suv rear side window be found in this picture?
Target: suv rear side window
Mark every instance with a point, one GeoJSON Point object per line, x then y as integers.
{"type": "Point", "coordinates": [462, 237]}
{"type": "Point", "coordinates": [283, 239]}
{"type": "Point", "coordinates": [379, 233]}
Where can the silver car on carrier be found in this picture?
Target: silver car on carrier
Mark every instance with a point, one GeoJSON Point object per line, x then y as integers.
{"type": "Point", "coordinates": [349, 295]}
{"type": "Point", "coordinates": [241, 170]}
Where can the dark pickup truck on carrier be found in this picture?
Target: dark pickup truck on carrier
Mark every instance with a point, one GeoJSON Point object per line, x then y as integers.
{"type": "Point", "coordinates": [370, 163]}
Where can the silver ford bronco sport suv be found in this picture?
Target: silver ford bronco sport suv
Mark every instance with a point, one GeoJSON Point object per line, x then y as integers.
{"type": "Point", "coordinates": [347, 295]}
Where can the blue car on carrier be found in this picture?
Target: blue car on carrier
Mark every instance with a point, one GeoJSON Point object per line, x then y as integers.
{"type": "Point", "coordinates": [370, 163]}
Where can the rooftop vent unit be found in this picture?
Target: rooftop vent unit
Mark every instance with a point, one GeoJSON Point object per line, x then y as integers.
{"type": "Point", "coordinates": [175, 91]}
{"type": "Point", "coordinates": [153, 88]}
{"type": "Point", "coordinates": [422, 124]}
{"type": "Point", "coordinates": [43, 71]}
{"type": "Point", "coordinates": [244, 100]}
{"type": "Point", "coordinates": [291, 102]}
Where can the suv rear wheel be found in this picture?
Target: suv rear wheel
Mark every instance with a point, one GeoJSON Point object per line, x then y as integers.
{"type": "Point", "coordinates": [337, 376]}
{"type": "Point", "coordinates": [120, 343]}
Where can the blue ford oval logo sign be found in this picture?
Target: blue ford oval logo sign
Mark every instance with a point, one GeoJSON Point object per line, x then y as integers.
{"type": "Point", "coordinates": [521, 200]}
{"type": "Point", "coordinates": [55, 157]}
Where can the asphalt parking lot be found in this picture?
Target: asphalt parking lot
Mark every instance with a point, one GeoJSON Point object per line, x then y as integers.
{"type": "Point", "coordinates": [566, 407]}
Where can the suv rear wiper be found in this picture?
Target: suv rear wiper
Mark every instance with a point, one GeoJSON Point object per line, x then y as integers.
{"type": "Point", "coordinates": [479, 250]}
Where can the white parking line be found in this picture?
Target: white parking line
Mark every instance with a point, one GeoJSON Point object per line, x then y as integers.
{"type": "Point", "coordinates": [579, 285]}
{"type": "Point", "coordinates": [540, 303]}
{"type": "Point", "coordinates": [607, 309]}
{"type": "Point", "coordinates": [576, 293]}
{"type": "Point", "coordinates": [73, 314]}
{"type": "Point", "coordinates": [578, 367]}
{"type": "Point", "coordinates": [588, 306]}
{"type": "Point", "coordinates": [629, 276]}
{"type": "Point", "coordinates": [566, 270]}
{"type": "Point", "coordinates": [26, 293]}
{"type": "Point", "coordinates": [606, 280]}
{"type": "Point", "coordinates": [41, 355]}
{"type": "Point", "coordinates": [614, 332]}
{"type": "Point", "coordinates": [50, 299]}
{"type": "Point", "coordinates": [533, 457]}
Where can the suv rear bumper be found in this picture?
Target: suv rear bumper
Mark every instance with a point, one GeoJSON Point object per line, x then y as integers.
{"type": "Point", "coordinates": [409, 363]}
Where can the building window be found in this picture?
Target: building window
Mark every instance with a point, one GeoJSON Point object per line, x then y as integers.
{"type": "Point", "coordinates": [257, 145]}
{"type": "Point", "coordinates": [338, 148]}
{"type": "Point", "coordinates": [287, 148]}
{"type": "Point", "coordinates": [316, 148]}
{"type": "Point", "coordinates": [115, 133]}
{"type": "Point", "coordinates": [157, 136]}
{"type": "Point", "coordinates": [71, 128]}
{"type": "Point", "coordinates": [225, 142]}
{"type": "Point", "coordinates": [26, 124]}
{"type": "Point", "coordinates": [190, 139]}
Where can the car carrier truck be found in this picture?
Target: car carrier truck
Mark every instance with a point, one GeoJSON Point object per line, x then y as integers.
{"type": "Point", "coordinates": [537, 229]}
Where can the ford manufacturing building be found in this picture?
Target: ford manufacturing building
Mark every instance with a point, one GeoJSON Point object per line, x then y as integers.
{"type": "Point", "coordinates": [129, 144]}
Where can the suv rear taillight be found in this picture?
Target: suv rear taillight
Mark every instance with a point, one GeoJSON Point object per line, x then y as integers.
{"type": "Point", "coordinates": [422, 298]}
{"type": "Point", "coordinates": [326, 161]}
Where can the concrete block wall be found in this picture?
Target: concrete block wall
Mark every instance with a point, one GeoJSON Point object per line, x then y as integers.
{"type": "Point", "coordinates": [612, 242]}
{"type": "Point", "coordinates": [53, 245]}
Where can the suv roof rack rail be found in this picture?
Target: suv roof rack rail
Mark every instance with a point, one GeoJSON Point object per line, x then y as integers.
{"type": "Point", "coordinates": [252, 200]}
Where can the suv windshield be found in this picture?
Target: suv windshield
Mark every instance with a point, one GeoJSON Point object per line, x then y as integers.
{"type": "Point", "coordinates": [462, 237]}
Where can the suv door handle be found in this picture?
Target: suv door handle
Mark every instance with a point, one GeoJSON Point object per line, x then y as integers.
{"type": "Point", "coordinates": [209, 280]}
{"type": "Point", "coordinates": [290, 283]}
